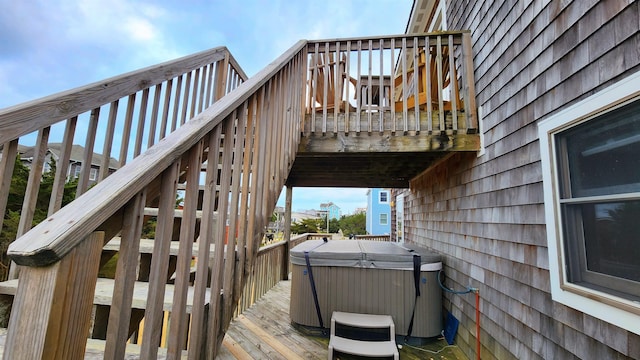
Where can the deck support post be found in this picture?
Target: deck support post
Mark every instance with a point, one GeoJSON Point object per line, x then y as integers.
{"type": "Point", "coordinates": [52, 307]}
{"type": "Point", "coordinates": [287, 233]}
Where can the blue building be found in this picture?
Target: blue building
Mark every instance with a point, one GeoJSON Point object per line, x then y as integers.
{"type": "Point", "coordinates": [378, 212]}
{"type": "Point", "coordinates": [332, 209]}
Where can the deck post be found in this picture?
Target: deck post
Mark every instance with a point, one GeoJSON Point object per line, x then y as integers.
{"type": "Point", "coordinates": [287, 233]}
{"type": "Point", "coordinates": [52, 307]}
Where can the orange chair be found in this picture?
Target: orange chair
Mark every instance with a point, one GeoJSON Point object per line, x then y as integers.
{"type": "Point", "coordinates": [328, 78]}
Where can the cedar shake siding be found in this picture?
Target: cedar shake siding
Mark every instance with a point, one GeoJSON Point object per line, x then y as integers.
{"type": "Point", "coordinates": [486, 213]}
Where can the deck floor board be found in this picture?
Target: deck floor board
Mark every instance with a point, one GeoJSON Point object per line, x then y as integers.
{"type": "Point", "coordinates": [270, 316]}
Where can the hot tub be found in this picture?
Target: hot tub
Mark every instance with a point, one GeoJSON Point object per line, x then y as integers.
{"type": "Point", "coordinates": [369, 277]}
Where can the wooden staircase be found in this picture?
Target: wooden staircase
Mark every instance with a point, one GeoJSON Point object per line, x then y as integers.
{"type": "Point", "coordinates": [197, 129]}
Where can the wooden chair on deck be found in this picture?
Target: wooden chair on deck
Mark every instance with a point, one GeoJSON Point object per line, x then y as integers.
{"type": "Point", "coordinates": [436, 92]}
{"type": "Point", "coordinates": [328, 80]}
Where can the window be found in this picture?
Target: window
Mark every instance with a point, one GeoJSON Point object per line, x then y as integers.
{"type": "Point", "coordinates": [93, 174]}
{"type": "Point", "coordinates": [599, 189]}
{"type": "Point", "coordinates": [384, 197]}
{"type": "Point", "coordinates": [78, 168]}
{"type": "Point", "coordinates": [384, 219]}
{"type": "Point", "coordinates": [591, 181]}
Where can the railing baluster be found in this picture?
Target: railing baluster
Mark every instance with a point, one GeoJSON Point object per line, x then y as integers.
{"type": "Point", "coordinates": [416, 83]}
{"type": "Point", "coordinates": [108, 140]}
{"type": "Point", "coordinates": [126, 132]}
{"type": "Point", "coordinates": [468, 92]}
{"type": "Point", "coordinates": [325, 88]}
{"type": "Point", "coordinates": [33, 183]}
{"type": "Point", "coordinates": [194, 94]}
{"type": "Point", "coordinates": [142, 116]}
{"type": "Point", "coordinates": [314, 87]}
{"type": "Point", "coordinates": [153, 121]}
{"type": "Point", "coordinates": [166, 109]}
{"type": "Point", "coordinates": [348, 85]}
{"type": "Point", "coordinates": [198, 331]}
{"type": "Point", "coordinates": [369, 84]}
{"type": "Point", "coordinates": [392, 87]}
{"type": "Point", "coordinates": [7, 163]}
{"type": "Point", "coordinates": [85, 171]}
{"type": "Point", "coordinates": [339, 78]}
{"type": "Point", "coordinates": [217, 273]}
{"type": "Point", "coordinates": [185, 98]}
{"type": "Point", "coordinates": [176, 104]}
{"type": "Point", "coordinates": [453, 86]}
{"type": "Point", "coordinates": [125, 277]}
{"type": "Point", "coordinates": [160, 262]}
{"type": "Point", "coordinates": [179, 317]}
{"type": "Point", "coordinates": [381, 89]}
{"type": "Point", "coordinates": [427, 83]}
{"type": "Point", "coordinates": [62, 166]}
{"type": "Point", "coordinates": [207, 96]}
{"type": "Point", "coordinates": [405, 86]}
{"type": "Point", "coordinates": [359, 89]}
{"type": "Point", "coordinates": [440, 82]}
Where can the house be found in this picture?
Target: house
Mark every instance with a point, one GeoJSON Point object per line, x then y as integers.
{"type": "Point", "coordinates": [75, 160]}
{"type": "Point", "coordinates": [296, 216]}
{"type": "Point", "coordinates": [331, 209]}
{"type": "Point", "coordinates": [524, 179]}
{"type": "Point", "coordinates": [539, 219]}
{"type": "Point", "coordinates": [378, 212]}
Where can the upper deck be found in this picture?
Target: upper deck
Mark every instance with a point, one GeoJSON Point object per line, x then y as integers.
{"type": "Point", "coordinates": [379, 111]}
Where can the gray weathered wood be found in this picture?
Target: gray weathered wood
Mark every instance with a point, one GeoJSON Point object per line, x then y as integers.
{"type": "Point", "coordinates": [33, 115]}
{"type": "Point", "coordinates": [52, 241]}
{"type": "Point", "coordinates": [123, 289]}
{"type": "Point", "coordinates": [52, 307]}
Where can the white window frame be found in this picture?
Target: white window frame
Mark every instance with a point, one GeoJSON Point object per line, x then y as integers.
{"type": "Point", "coordinates": [93, 174]}
{"type": "Point", "coordinates": [380, 201]}
{"type": "Point", "coordinates": [386, 217]}
{"type": "Point", "coordinates": [604, 306]}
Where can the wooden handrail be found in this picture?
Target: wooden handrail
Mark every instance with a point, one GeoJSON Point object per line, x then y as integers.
{"type": "Point", "coordinates": [245, 142]}
{"type": "Point", "coordinates": [50, 240]}
{"type": "Point", "coordinates": [30, 116]}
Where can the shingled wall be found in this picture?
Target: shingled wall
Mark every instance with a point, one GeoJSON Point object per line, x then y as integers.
{"type": "Point", "coordinates": [485, 213]}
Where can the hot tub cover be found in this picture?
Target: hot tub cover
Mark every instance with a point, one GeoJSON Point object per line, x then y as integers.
{"type": "Point", "coordinates": [362, 253]}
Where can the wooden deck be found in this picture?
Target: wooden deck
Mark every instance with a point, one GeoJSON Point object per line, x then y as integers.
{"type": "Point", "coordinates": [264, 331]}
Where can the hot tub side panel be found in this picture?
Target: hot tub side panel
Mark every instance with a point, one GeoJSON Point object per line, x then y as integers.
{"type": "Point", "coordinates": [370, 291]}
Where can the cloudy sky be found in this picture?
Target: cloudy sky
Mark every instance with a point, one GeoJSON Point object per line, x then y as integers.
{"type": "Point", "coordinates": [49, 46]}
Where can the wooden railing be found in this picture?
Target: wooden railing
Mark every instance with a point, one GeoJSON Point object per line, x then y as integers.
{"type": "Point", "coordinates": [239, 151]}
{"type": "Point", "coordinates": [405, 84]}
{"type": "Point", "coordinates": [270, 268]}
{"type": "Point", "coordinates": [226, 155]}
{"type": "Point", "coordinates": [87, 125]}
{"type": "Point", "coordinates": [386, 238]}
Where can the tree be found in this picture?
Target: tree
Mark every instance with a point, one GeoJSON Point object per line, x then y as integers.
{"type": "Point", "coordinates": [354, 224]}
{"type": "Point", "coordinates": [334, 226]}
{"type": "Point", "coordinates": [17, 189]}
{"type": "Point", "coordinates": [309, 225]}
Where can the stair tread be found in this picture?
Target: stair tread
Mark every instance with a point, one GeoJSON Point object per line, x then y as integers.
{"type": "Point", "coordinates": [146, 246]}
{"type": "Point", "coordinates": [95, 349]}
{"type": "Point", "coordinates": [104, 293]}
{"type": "Point", "coordinates": [362, 320]}
{"type": "Point", "coordinates": [364, 348]}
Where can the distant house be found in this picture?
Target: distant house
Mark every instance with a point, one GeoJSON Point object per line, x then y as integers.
{"type": "Point", "coordinates": [75, 160]}
{"type": "Point", "coordinates": [296, 217]}
{"type": "Point", "coordinates": [332, 209]}
{"type": "Point", "coordinates": [378, 212]}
